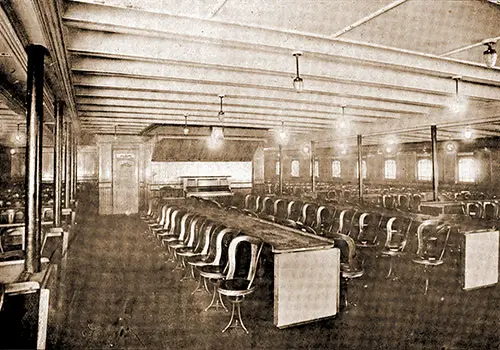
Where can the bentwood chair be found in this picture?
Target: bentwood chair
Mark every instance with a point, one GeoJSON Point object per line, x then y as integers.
{"type": "Point", "coordinates": [267, 210]}
{"type": "Point", "coordinates": [490, 211]}
{"type": "Point", "coordinates": [186, 249]}
{"type": "Point", "coordinates": [397, 233]}
{"type": "Point", "coordinates": [205, 251]}
{"type": "Point", "coordinates": [432, 239]}
{"type": "Point", "coordinates": [240, 276]}
{"type": "Point", "coordinates": [188, 222]}
{"type": "Point", "coordinates": [214, 271]}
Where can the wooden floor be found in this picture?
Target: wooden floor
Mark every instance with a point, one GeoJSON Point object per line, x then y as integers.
{"type": "Point", "coordinates": [120, 293]}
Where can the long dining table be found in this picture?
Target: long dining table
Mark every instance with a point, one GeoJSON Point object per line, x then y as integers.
{"type": "Point", "coordinates": [306, 266]}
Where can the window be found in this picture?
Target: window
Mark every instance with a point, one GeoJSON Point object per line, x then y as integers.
{"type": "Point", "coordinates": [390, 169]}
{"type": "Point", "coordinates": [277, 167]}
{"type": "Point", "coordinates": [467, 169]}
{"type": "Point", "coordinates": [363, 169]}
{"type": "Point", "coordinates": [316, 168]}
{"type": "Point", "coordinates": [295, 168]}
{"type": "Point", "coordinates": [336, 169]}
{"type": "Point", "coordinates": [424, 170]}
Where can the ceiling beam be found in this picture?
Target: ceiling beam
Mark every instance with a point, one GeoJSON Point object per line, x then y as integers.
{"type": "Point", "coordinates": [264, 68]}
{"type": "Point", "coordinates": [114, 19]}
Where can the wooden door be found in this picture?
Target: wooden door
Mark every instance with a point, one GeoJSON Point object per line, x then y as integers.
{"type": "Point", "coordinates": [125, 181]}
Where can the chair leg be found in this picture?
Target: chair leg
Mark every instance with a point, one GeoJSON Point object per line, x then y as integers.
{"type": "Point", "coordinates": [216, 300]}
{"type": "Point", "coordinates": [390, 268]}
{"type": "Point", "coordinates": [198, 286]}
{"type": "Point", "coordinates": [234, 323]}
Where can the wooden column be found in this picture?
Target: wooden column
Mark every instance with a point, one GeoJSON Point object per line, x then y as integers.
{"type": "Point", "coordinates": [75, 164]}
{"type": "Point", "coordinates": [71, 160]}
{"type": "Point", "coordinates": [58, 111]}
{"type": "Point", "coordinates": [435, 173]}
{"type": "Point", "coordinates": [360, 168]}
{"type": "Point", "coordinates": [67, 166]}
{"type": "Point", "coordinates": [280, 175]}
{"type": "Point", "coordinates": [34, 141]}
{"type": "Point", "coordinates": [312, 154]}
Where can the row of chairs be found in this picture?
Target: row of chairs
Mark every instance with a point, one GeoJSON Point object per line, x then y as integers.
{"type": "Point", "coordinates": [222, 259]}
{"type": "Point", "coordinates": [355, 229]}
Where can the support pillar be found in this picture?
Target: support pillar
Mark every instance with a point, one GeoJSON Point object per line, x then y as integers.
{"type": "Point", "coordinates": [58, 109]}
{"type": "Point", "coordinates": [312, 161]}
{"type": "Point", "coordinates": [75, 164]}
{"type": "Point", "coordinates": [33, 162]}
{"type": "Point", "coordinates": [435, 173]}
{"type": "Point", "coordinates": [360, 168]}
{"type": "Point", "coordinates": [280, 175]}
{"type": "Point", "coordinates": [67, 166]}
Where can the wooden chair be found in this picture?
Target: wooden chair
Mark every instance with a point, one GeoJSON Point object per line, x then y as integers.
{"type": "Point", "coordinates": [240, 276]}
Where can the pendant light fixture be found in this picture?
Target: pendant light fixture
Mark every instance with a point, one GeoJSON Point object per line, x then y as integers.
{"type": "Point", "coordinates": [186, 129]}
{"type": "Point", "coordinates": [18, 138]}
{"type": "Point", "coordinates": [459, 103]}
{"type": "Point", "coordinates": [115, 132]}
{"type": "Point", "coordinates": [344, 123]}
{"type": "Point", "coordinates": [490, 54]}
{"type": "Point", "coordinates": [298, 83]}
{"type": "Point", "coordinates": [282, 134]}
{"type": "Point", "coordinates": [221, 112]}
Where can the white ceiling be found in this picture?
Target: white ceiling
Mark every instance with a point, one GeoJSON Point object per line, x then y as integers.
{"type": "Point", "coordinates": [136, 63]}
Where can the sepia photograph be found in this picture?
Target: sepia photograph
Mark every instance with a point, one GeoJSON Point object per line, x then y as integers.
{"type": "Point", "coordinates": [249, 174]}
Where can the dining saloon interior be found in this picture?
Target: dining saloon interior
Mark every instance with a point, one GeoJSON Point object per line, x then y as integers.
{"type": "Point", "coordinates": [224, 174]}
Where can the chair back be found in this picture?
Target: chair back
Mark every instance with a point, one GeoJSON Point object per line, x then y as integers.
{"type": "Point", "coordinates": [220, 244]}
{"type": "Point", "coordinates": [308, 216]}
{"type": "Point", "coordinates": [403, 202]}
{"type": "Point", "coordinates": [474, 210]}
{"type": "Point", "coordinates": [323, 215]}
{"type": "Point", "coordinates": [244, 265]}
{"type": "Point", "coordinates": [345, 218]}
{"type": "Point", "coordinates": [369, 227]}
{"type": "Point", "coordinates": [267, 206]}
{"type": "Point", "coordinates": [294, 210]}
{"type": "Point", "coordinates": [415, 201]}
{"type": "Point", "coordinates": [206, 228]}
{"type": "Point", "coordinates": [280, 208]}
{"type": "Point", "coordinates": [177, 216]}
{"type": "Point", "coordinates": [432, 240]}
{"type": "Point", "coordinates": [397, 232]}
{"type": "Point", "coordinates": [490, 211]}
{"type": "Point", "coordinates": [195, 229]}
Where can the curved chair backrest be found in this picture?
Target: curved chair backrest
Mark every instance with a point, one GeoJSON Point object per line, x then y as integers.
{"type": "Point", "coordinates": [308, 214]}
{"type": "Point", "coordinates": [219, 242]}
{"type": "Point", "coordinates": [490, 211]}
{"type": "Point", "coordinates": [206, 230]}
{"type": "Point", "coordinates": [474, 210]}
{"type": "Point", "coordinates": [415, 201]}
{"type": "Point", "coordinates": [248, 197]}
{"type": "Point", "coordinates": [397, 230]}
{"type": "Point", "coordinates": [403, 202]}
{"type": "Point", "coordinates": [186, 224]}
{"type": "Point", "coordinates": [294, 210]}
{"type": "Point", "coordinates": [177, 215]}
{"type": "Point", "coordinates": [323, 214]}
{"type": "Point", "coordinates": [168, 217]}
{"type": "Point", "coordinates": [345, 218]}
{"type": "Point", "coordinates": [432, 239]}
{"type": "Point", "coordinates": [163, 215]}
{"type": "Point", "coordinates": [388, 201]}
{"type": "Point", "coordinates": [280, 208]}
{"type": "Point", "coordinates": [195, 229]}
{"type": "Point", "coordinates": [236, 260]}
{"type": "Point", "coordinates": [267, 206]}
